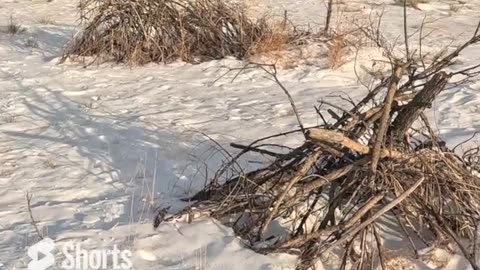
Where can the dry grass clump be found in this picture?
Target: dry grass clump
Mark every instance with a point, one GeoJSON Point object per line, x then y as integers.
{"type": "Point", "coordinates": [275, 41]}
{"type": "Point", "coordinates": [144, 31]}
{"type": "Point", "coordinates": [47, 21]}
{"type": "Point", "coordinates": [338, 51]}
{"type": "Point", "coordinates": [287, 45]}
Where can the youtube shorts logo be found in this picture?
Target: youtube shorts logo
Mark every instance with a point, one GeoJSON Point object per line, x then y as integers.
{"type": "Point", "coordinates": [41, 255]}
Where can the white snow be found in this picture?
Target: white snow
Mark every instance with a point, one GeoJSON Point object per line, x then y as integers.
{"type": "Point", "coordinates": [100, 147]}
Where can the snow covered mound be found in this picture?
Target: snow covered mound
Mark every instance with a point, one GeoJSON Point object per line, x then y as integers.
{"type": "Point", "coordinates": [100, 148]}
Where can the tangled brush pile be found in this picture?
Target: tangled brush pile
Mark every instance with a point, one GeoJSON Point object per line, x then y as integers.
{"type": "Point", "coordinates": [379, 160]}
{"type": "Point", "coordinates": [143, 31]}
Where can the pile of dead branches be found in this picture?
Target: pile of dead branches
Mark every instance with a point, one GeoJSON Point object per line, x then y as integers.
{"type": "Point", "coordinates": [144, 31]}
{"type": "Point", "coordinates": [379, 160]}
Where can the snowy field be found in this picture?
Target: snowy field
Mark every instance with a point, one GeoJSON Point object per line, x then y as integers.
{"type": "Point", "coordinates": [100, 147]}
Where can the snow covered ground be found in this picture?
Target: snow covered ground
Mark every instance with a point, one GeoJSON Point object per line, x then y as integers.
{"type": "Point", "coordinates": [99, 147]}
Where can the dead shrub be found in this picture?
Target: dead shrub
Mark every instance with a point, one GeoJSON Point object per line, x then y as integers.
{"type": "Point", "coordinates": [144, 31]}
{"type": "Point", "coordinates": [14, 27]}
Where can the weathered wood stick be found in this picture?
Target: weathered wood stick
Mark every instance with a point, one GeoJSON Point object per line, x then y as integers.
{"type": "Point", "coordinates": [330, 136]}
{"type": "Point", "coordinates": [420, 102]}
{"type": "Point", "coordinates": [384, 121]}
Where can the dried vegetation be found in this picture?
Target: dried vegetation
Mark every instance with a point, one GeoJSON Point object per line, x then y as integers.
{"type": "Point", "coordinates": [144, 31]}
{"type": "Point", "coordinates": [378, 160]}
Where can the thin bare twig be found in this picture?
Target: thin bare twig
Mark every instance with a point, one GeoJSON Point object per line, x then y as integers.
{"type": "Point", "coordinates": [32, 220]}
